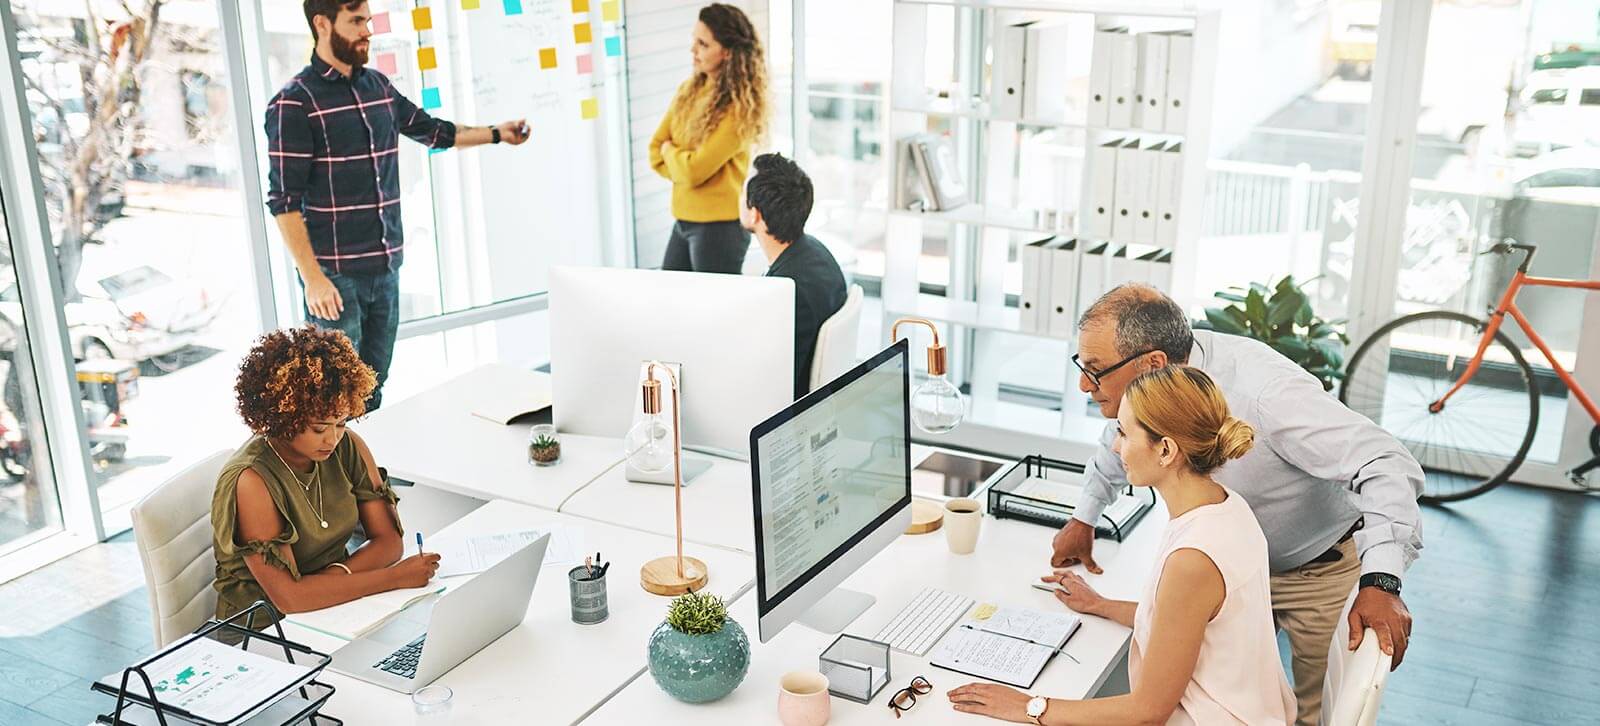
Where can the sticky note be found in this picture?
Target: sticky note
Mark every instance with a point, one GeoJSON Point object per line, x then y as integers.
{"type": "Point", "coordinates": [580, 6]}
{"type": "Point", "coordinates": [380, 23]}
{"type": "Point", "coordinates": [430, 98]}
{"type": "Point", "coordinates": [611, 11]}
{"type": "Point", "coordinates": [614, 46]}
{"type": "Point", "coordinates": [513, 7]}
{"type": "Point", "coordinates": [984, 611]}
{"type": "Point", "coordinates": [591, 108]}
{"type": "Point", "coordinates": [581, 33]}
{"type": "Point", "coordinates": [422, 19]}
{"type": "Point", "coordinates": [469, 4]}
{"type": "Point", "coordinates": [585, 63]}
{"type": "Point", "coordinates": [385, 63]}
{"type": "Point", "coordinates": [426, 59]}
{"type": "Point", "coordinates": [547, 58]}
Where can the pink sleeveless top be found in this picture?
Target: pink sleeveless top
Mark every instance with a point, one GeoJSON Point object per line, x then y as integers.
{"type": "Point", "coordinates": [1238, 678]}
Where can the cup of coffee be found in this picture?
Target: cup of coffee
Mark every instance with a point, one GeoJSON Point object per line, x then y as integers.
{"type": "Point", "coordinates": [803, 699]}
{"type": "Point", "coordinates": [962, 517]}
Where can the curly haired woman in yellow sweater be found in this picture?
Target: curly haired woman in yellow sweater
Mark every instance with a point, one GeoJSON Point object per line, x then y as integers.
{"type": "Point", "coordinates": [703, 144]}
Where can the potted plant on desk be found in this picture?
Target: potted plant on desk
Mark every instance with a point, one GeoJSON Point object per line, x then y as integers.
{"type": "Point", "coordinates": [544, 445]}
{"type": "Point", "coordinates": [699, 654]}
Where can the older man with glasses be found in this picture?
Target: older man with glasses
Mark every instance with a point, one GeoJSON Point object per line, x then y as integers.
{"type": "Point", "coordinates": [1335, 494]}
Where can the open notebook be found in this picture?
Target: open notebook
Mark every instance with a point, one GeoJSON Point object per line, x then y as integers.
{"type": "Point", "coordinates": [1011, 646]}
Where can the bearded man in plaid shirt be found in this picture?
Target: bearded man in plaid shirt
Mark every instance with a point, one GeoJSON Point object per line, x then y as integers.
{"type": "Point", "coordinates": [334, 178]}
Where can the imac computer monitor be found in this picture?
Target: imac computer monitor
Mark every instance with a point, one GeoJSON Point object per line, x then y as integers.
{"type": "Point", "coordinates": [832, 487]}
{"type": "Point", "coordinates": [733, 335]}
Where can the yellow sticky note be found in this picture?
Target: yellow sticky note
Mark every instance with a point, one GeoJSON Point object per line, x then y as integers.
{"type": "Point", "coordinates": [422, 19]}
{"type": "Point", "coordinates": [582, 34]}
{"type": "Point", "coordinates": [611, 11]}
{"type": "Point", "coordinates": [591, 108]}
{"type": "Point", "coordinates": [984, 611]}
{"type": "Point", "coordinates": [426, 59]}
{"type": "Point", "coordinates": [469, 4]}
{"type": "Point", "coordinates": [547, 58]}
{"type": "Point", "coordinates": [580, 6]}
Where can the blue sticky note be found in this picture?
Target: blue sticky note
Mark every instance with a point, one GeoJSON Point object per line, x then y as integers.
{"type": "Point", "coordinates": [513, 7]}
{"type": "Point", "coordinates": [430, 98]}
{"type": "Point", "coordinates": [614, 45]}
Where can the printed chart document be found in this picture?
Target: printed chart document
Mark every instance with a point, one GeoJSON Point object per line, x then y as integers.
{"type": "Point", "coordinates": [1012, 646]}
{"type": "Point", "coordinates": [217, 682]}
{"type": "Point", "coordinates": [471, 555]}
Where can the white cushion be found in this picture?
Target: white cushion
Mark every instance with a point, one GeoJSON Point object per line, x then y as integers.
{"type": "Point", "coordinates": [172, 527]}
{"type": "Point", "coordinates": [836, 340]}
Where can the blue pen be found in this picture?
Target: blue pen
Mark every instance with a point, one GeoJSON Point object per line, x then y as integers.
{"type": "Point", "coordinates": [419, 543]}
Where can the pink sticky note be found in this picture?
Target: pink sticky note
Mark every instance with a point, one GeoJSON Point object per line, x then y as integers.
{"type": "Point", "coordinates": [380, 23]}
{"type": "Point", "coordinates": [586, 63]}
{"type": "Point", "coordinates": [386, 64]}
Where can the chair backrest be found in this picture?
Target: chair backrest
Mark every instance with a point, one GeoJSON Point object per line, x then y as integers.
{"type": "Point", "coordinates": [836, 340]}
{"type": "Point", "coordinates": [172, 527]}
{"type": "Point", "coordinates": [1361, 688]}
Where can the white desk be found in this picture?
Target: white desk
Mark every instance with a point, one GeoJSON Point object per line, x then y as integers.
{"type": "Point", "coordinates": [549, 670]}
{"type": "Point", "coordinates": [1010, 556]}
{"type": "Point", "coordinates": [716, 505]}
{"type": "Point", "coordinates": [433, 438]}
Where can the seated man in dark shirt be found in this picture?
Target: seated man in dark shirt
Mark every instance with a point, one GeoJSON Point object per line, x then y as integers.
{"type": "Point", "coordinates": [777, 202]}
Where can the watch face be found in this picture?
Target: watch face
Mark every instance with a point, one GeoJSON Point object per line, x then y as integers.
{"type": "Point", "coordinates": [1036, 706]}
{"type": "Point", "coordinates": [1384, 581]}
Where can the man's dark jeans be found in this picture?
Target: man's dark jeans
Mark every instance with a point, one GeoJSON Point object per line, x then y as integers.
{"type": "Point", "coordinates": [371, 319]}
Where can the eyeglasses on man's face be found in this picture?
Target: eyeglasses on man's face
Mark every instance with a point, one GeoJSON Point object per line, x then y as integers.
{"type": "Point", "coordinates": [1096, 376]}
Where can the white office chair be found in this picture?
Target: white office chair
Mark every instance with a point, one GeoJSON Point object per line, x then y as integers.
{"type": "Point", "coordinates": [836, 340]}
{"type": "Point", "coordinates": [1361, 685]}
{"type": "Point", "coordinates": [172, 526]}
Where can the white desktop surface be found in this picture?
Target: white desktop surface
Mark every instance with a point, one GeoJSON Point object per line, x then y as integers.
{"type": "Point", "coordinates": [716, 504]}
{"type": "Point", "coordinates": [1010, 556]}
{"type": "Point", "coordinates": [433, 438]}
{"type": "Point", "coordinates": [548, 670]}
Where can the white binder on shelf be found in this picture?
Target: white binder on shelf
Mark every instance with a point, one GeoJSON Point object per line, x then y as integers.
{"type": "Point", "coordinates": [1100, 78]}
{"type": "Point", "coordinates": [1092, 272]}
{"type": "Point", "coordinates": [1124, 79]}
{"type": "Point", "coordinates": [1126, 192]}
{"type": "Point", "coordinates": [1152, 91]}
{"type": "Point", "coordinates": [1044, 71]}
{"type": "Point", "coordinates": [1162, 272]}
{"type": "Point", "coordinates": [1180, 69]}
{"type": "Point", "coordinates": [1120, 267]}
{"type": "Point", "coordinates": [1062, 310]}
{"type": "Point", "coordinates": [1169, 195]}
{"type": "Point", "coordinates": [1144, 263]}
{"type": "Point", "coordinates": [1147, 178]}
{"type": "Point", "coordinates": [1006, 76]}
{"type": "Point", "coordinates": [1100, 206]}
{"type": "Point", "coordinates": [941, 172]}
{"type": "Point", "coordinates": [1035, 285]}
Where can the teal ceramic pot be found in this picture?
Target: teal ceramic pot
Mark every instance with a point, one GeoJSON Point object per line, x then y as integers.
{"type": "Point", "coordinates": [699, 668]}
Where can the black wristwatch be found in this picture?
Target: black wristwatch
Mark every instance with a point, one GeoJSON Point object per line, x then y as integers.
{"type": "Point", "coordinates": [1383, 581]}
{"type": "Point", "coordinates": [494, 133]}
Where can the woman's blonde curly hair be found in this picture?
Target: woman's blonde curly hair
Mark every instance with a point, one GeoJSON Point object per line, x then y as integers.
{"type": "Point", "coordinates": [740, 92]}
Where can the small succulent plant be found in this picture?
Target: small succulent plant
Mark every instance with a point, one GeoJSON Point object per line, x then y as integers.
{"type": "Point", "coordinates": [697, 613]}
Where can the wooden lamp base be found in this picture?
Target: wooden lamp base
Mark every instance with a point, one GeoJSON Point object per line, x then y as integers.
{"type": "Point", "coordinates": [926, 517]}
{"type": "Point", "coordinates": [660, 576]}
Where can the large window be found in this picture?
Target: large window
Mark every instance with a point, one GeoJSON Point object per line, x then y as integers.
{"type": "Point", "coordinates": [29, 505]}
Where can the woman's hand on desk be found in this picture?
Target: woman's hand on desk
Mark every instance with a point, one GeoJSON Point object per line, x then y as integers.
{"type": "Point", "coordinates": [993, 700]}
{"type": "Point", "coordinates": [416, 570]}
{"type": "Point", "coordinates": [1074, 592]}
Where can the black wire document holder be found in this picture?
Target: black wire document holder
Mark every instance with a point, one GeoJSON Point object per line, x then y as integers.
{"type": "Point", "coordinates": [296, 702]}
{"type": "Point", "coordinates": [1005, 501]}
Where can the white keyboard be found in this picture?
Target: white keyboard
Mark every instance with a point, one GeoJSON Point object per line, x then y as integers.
{"type": "Point", "coordinates": [923, 621]}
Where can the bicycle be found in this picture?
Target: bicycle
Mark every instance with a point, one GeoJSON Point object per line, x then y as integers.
{"type": "Point", "coordinates": [1459, 394]}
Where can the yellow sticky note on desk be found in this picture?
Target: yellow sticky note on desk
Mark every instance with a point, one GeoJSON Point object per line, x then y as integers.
{"type": "Point", "coordinates": [581, 33]}
{"type": "Point", "coordinates": [422, 19]}
{"type": "Point", "coordinates": [426, 59]}
{"type": "Point", "coordinates": [611, 11]}
{"type": "Point", "coordinates": [591, 108]}
{"type": "Point", "coordinates": [984, 611]}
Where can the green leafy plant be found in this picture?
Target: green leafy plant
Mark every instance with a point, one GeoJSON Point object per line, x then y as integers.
{"type": "Point", "coordinates": [544, 442]}
{"type": "Point", "coordinates": [697, 613]}
{"type": "Point", "coordinates": [1281, 316]}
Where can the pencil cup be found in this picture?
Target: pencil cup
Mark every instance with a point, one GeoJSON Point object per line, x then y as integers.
{"type": "Point", "coordinates": [962, 517]}
{"type": "Point", "coordinates": [588, 589]}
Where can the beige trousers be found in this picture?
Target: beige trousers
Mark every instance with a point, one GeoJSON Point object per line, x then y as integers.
{"type": "Point", "coordinates": [1306, 604]}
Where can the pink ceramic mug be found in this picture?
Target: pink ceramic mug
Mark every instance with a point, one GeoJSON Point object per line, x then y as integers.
{"type": "Point", "coordinates": [803, 699]}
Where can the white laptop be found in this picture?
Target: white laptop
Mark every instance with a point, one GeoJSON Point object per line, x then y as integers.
{"type": "Point", "coordinates": [436, 634]}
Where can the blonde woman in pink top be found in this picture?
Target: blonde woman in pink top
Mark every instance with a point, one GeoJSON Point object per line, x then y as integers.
{"type": "Point", "coordinates": [1203, 645]}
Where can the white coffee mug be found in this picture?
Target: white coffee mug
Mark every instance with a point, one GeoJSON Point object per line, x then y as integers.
{"type": "Point", "coordinates": [803, 699]}
{"type": "Point", "coordinates": [962, 518]}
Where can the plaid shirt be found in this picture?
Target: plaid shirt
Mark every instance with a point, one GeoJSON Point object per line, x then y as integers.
{"type": "Point", "coordinates": [333, 145]}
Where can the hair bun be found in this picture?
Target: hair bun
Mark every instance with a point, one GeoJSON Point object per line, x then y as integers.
{"type": "Point", "coordinates": [1235, 438]}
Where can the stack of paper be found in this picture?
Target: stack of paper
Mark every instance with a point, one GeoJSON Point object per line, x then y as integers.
{"type": "Point", "coordinates": [356, 618]}
{"type": "Point", "coordinates": [216, 682]}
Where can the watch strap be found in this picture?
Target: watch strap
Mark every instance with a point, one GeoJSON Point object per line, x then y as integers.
{"type": "Point", "coordinates": [1381, 580]}
{"type": "Point", "coordinates": [494, 134]}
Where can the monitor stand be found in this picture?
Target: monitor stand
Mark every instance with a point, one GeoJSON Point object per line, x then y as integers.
{"type": "Point", "coordinates": [836, 610]}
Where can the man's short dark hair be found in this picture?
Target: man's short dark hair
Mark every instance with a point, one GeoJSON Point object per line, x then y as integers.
{"type": "Point", "coordinates": [1144, 319]}
{"type": "Point", "coordinates": [328, 9]}
{"type": "Point", "coordinates": [782, 193]}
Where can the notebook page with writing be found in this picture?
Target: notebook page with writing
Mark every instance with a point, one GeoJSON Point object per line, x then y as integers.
{"type": "Point", "coordinates": [994, 657]}
{"type": "Point", "coordinates": [1048, 629]}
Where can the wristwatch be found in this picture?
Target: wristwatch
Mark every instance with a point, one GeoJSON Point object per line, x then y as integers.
{"type": "Point", "coordinates": [1381, 580]}
{"type": "Point", "coordinates": [1036, 707]}
{"type": "Point", "coordinates": [494, 133]}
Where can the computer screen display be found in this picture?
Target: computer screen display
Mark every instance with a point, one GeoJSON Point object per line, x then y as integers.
{"type": "Point", "coordinates": [830, 469]}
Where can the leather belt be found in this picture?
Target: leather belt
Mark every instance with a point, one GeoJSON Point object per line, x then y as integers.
{"type": "Point", "coordinates": [1332, 555]}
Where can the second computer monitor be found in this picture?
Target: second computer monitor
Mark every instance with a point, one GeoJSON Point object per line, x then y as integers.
{"type": "Point", "coordinates": [733, 335]}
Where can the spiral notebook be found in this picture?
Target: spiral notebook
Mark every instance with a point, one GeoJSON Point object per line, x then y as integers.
{"type": "Point", "coordinates": [1011, 646]}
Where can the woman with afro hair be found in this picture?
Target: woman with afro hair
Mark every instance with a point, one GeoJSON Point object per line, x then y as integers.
{"type": "Point", "coordinates": [289, 499]}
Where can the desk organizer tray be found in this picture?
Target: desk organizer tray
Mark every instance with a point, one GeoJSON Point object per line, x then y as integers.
{"type": "Point", "coordinates": [1046, 491]}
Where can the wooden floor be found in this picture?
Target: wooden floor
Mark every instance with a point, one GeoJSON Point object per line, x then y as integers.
{"type": "Point", "coordinates": [1506, 599]}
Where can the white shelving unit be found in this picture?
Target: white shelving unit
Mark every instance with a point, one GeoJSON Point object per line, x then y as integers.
{"type": "Point", "coordinates": [991, 149]}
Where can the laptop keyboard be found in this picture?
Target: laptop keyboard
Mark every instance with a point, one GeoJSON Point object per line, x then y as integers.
{"type": "Point", "coordinates": [403, 662]}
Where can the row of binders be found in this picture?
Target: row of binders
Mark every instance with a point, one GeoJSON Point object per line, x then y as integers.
{"type": "Point", "coordinates": [1134, 191]}
{"type": "Point", "coordinates": [1061, 277]}
{"type": "Point", "coordinates": [1140, 81]}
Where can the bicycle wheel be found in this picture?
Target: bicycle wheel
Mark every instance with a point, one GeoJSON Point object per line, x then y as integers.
{"type": "Point", "coordinates": [1482, 433]}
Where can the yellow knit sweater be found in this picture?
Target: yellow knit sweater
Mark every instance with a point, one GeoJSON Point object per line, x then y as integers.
{"type": "Point", "coordinates": [706, 180]}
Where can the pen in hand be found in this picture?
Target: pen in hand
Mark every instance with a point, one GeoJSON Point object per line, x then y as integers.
{"type": "Point", "coordinates": [419, 543]}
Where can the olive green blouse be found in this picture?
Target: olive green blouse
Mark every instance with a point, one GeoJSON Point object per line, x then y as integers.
{"type": "Point", "coordinates": [336, 487]}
